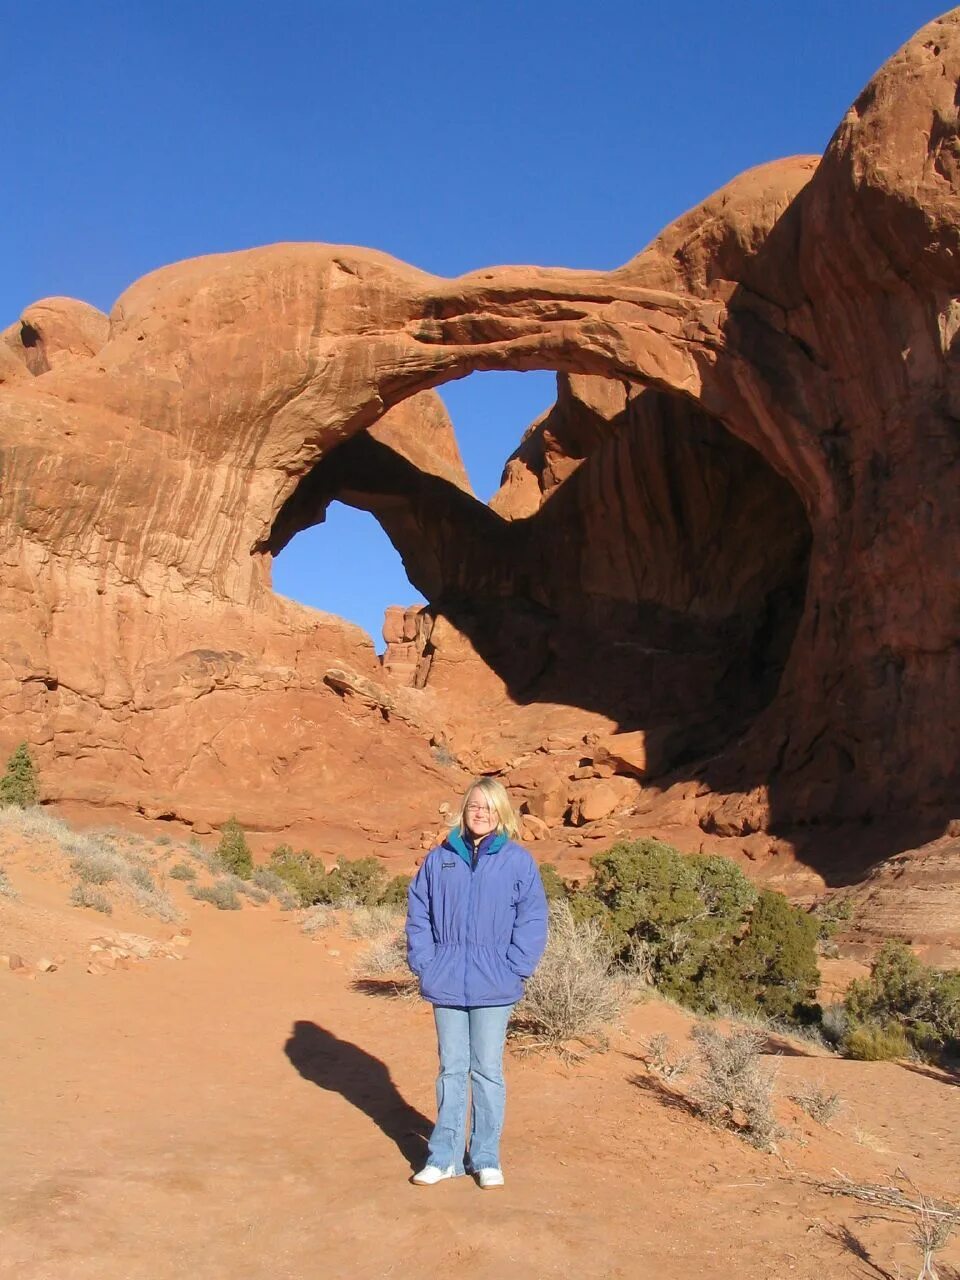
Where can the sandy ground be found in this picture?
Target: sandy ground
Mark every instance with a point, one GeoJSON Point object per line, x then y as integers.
{"type": "Point", "coordinates": [244, 1112]}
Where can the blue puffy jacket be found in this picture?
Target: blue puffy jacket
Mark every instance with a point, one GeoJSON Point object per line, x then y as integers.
{"type": "Point", "coordinates": [475, 932]}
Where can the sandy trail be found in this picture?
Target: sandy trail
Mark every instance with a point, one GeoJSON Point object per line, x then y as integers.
{"type": "Point", "coordinates": [246, 1113]}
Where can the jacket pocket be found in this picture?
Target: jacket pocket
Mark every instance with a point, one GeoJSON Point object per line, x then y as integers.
{"type": "Point", "coordinates": [492, 981]}
{"type": "Point", "coordinates": [442, 980]}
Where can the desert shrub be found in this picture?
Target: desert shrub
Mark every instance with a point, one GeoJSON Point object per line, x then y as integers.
{"type": "Point", "coordinates": [834, 1023]}
{"type": "Point", "coordinates": [697, 929]}
{"type": "Point", "coordinates": [395, 893]}
{"type": "Point", "coordinates": [573, 995]}
{"type": "Point", "coordinates": [352, 882]}
{"type": "Point", "coordinates": [182, 871]}
{"type": "Point", "coordinates": [773, 966]}
{"type": "Point", "coordinates": [734, 1088]}
{"type": "Point", "coordinates": [871, 1042]}
{"type": "Point", "coordinates": [831, 915]}
{"type": "Point", "coordinates": [18, 786]}
{"type": "Point", "coordinates": [6, 888]}
{"type": "Point", "coordinates": [902, 991]}
{"type": "Point", "coordinates": [554, 886]}
{"type": "Point", "coordinates": [356, 881]}
{"type": "Point", "coordinates": [682, 907]}
{"type": "Point", "coordinates": [222, 894]}
{"type": "Point", "coordinates": [305, 874]}
{"type": "Point", "coordinates": [82, 895]}
{"type": "Point", "coordinates": [233, 852]}
{"type": "Point", "coordinates": [163, 840]}
{"type": "Point", "coordinates": [813, 1098]}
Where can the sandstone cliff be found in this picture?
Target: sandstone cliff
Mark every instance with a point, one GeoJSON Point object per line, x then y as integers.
{"type": "Point", "coordinates": [736, 530]}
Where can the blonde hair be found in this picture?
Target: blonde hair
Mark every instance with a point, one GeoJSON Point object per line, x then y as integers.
{"type": "Point", "coordinates": [496, 797]}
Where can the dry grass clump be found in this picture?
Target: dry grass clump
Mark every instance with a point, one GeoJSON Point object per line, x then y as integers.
{"type": "Point", "coordinates": [637, 964]}
{"type": "Point", "coordinates": [659, 1059]}
{"type": "Point", "coordinates": [141, 878]}
{"type": "Point", "coordinates": [318, 918]}
{"type": "Point", "coordinates": [808, 1033]}
{"type": "Point", "coordinates": [930, 1231]}
{"type": "Point", "coordinates": [221, 894]}
{"type": "Point", "coordinates": [182, 871]}
{"type": "Point", "coordinates": [374, 922]}
{"type": "Point", "coordinates": [253, 892]}
{"type": "Point", "coordinates": [932, 1221]}
{"type": "Point", "coordinates": [386, 955]}
{"type": "Point", "coordinates": [382, 969]}
{"type": "Point", "coordinates": [82, 895]}
{"type": "Point", "coordinates": [286, 899]}
{"type": "Point", "coordinates": [6, 888]}
{"type": "Point", "coordinates": [734, 1089]}
{"type": "Point", "coordinates": [97, 859]}
{"type": "Point", "coordinates": [98, 866]}
{"type": "Point", "coordinates": [157, 903]}
{"type": "Point", "coordinates": [36, 822]}
{"type": "Point", "coordinates": [573, 995]}
{"type": "Point", "coordinates": [813, 1098]}
{"type": "Point", "coordinates": [276, 887]}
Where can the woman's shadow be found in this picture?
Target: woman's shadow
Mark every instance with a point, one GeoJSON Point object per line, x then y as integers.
{"type": "Point", "coordinates": [364, 1081]}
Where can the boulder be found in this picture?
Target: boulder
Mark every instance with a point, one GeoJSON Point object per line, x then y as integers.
{"type": "Point", "coordinates": [540, 791]}
{"type": "Point", "coordinates": [532, 827]}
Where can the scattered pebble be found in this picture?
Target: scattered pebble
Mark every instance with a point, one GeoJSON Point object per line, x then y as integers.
{"type": "Point", "coordinates": [124, 950]}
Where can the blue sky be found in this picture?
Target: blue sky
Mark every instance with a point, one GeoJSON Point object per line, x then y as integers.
{"type": "Point", "coordinates": [454, 135]}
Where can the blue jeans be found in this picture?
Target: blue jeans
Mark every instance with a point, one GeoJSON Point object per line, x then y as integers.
{"type": "Point", "coordinates": [470, 1042]}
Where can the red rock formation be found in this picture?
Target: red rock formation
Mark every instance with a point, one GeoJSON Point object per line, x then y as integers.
{"type": "Point", "coordinates": [739, 523]}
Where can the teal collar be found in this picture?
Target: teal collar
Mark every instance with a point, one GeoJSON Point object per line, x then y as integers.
{"type": "Point", "coordinates": [489, 844]}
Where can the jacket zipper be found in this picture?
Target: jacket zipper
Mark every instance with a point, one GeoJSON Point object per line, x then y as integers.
{"type": "Point", "coordinates": [466, 949]}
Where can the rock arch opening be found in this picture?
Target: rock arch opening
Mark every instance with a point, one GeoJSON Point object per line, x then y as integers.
{"type": "Point", "coordinates": [345, 565]}
{"type": "Point", "coordinates": [638, 563]}
{"type": "Point", "coordinates": [490, 412]}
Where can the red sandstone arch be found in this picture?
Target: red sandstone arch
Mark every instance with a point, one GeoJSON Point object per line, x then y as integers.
{"type": "Point", "coordinates": [807, 307]}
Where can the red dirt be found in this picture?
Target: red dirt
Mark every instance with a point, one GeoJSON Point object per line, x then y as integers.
{"type": "Point", "coordinates": [245, 1112]}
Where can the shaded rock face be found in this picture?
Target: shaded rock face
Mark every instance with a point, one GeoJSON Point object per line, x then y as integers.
{"type": "Point", "coordinates": [658, 582]}
{"type": "Point", "coordinates": [740, 519]}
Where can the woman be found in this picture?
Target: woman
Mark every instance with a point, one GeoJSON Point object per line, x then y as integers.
{"type": "Point", "coordinates": [476, 929]}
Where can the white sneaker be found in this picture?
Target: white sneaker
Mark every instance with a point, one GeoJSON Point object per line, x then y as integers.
{"type": "Point", "coordinates": [490, 1178]}
{"type": "Point", "coordinates": [429, 1175]}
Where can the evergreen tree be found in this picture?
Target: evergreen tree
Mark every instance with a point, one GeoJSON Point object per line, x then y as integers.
{"type": "Point", "coordinates": [233, 851]}
{"type": "Point", "coordinates": [18, 786]}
